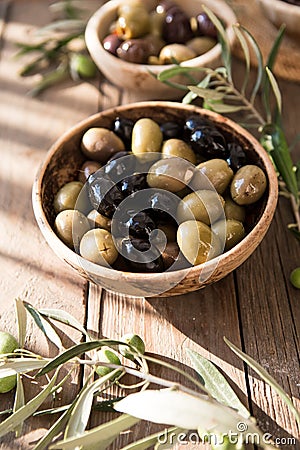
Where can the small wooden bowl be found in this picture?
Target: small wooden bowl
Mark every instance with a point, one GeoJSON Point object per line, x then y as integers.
{"type": "Point", "coordinates": [63, 162]}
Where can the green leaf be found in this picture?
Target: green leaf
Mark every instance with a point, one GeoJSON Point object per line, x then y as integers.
{"type": "Point", "coordinates": [275, 89]}
{"type": "Point", "coordinates": [223, 108]}
{"type": "Point", "coordinates": [64, 317]}
{"type": "Point", "coordinates": [178, 70]}
{"type": "Point", "coordinates": [44, 325]}
{"type": "Point", "coordinates": [52, 432]}
{"type": "Point", "coordinates": [12, 366]}
{"type": "Point", "coordinates": [266, 377]}
{"type": "Point", "coordinates": [149, 441]}
{"type": "Point", "coordinates": [27, 410]}
{"type": "Point", "coordinates": [275, 47]}
{"type": "Point", "coordinates": [246, 52]}
{"type": "Point", "coordinates": [215, 382]}
{"type": "Point", "coordinates": [98, 438]}
{"type": "Point", "coordinates": [22, 321]}
{"type": "Point", "coordinates": [19, 402]}
{"type": "Point", "coordinates": [207, 94]}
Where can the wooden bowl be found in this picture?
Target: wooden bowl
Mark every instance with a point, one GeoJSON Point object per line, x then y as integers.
{"type": "Point", "coordinates": [63, 162]}
{"type": "Point", "coordinates": [279, 12]}
{"type": "Point", "coordinates": [138, 78]}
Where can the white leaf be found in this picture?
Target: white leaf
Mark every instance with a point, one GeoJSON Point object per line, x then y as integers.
{"type": "Point", "coordinates": [13, 366]}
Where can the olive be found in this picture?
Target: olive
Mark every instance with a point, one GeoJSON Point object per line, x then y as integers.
{"type": "Point", "coordinates": [111, 43]}
{"type": "Point", "coordinates": [295, 278]}
{"type": "Point", "coordinates": [122, 127]}
{"type": "Point", "coordinates": [237, 157]}
{"type": "Point", "coordinates": [163, 204]}
{"type": "Point", "coordinates": [120, 155]}
{"type": "Point", "coordinates": [171, 130]}
{"type": "Point", "coordinates": [87, 168]}
{"type": "Point", "coordinates": [234, 232]}
{"type": "Point", "coordinates": [134, 50]}
{"type": "Point", "coordinates": [70, 225]}
{"type": "Point", "coordinates": [165, 5]}
{"type": "Point", "coordinates": [146, 136]}
{"type": "Point", "coordinates": [97, 246]}
{"type": "Point", "coordinates": [67, 195]}
{"type": "Point", "coordinates": [155, 44]}
{"type": "Point", "coordinates": [133, 340]}
{"type": "Point", "coordinates": [178, 53]}
{"type": "Point", "coordinates": [133, 183]}
{"type": "Point", "coordinates": [248, 185]}
{"type": "Point", "coordinates": [197, 242]}
{"type": "Point", "coordinates": [8, 344]}
{"type": "Point", "coordinates": [156, 23]}
{"type": "Point", "coordinates": [170, 254]}
{"type": "Point", "coordinates": [133, 21]}
{"type": "Point", "coordinates": [209, 142]}
{"type": "Point", "coordinates": [140, 225]}
{"type": "Point", "coordinates": [172, 174]}
{"type": "Point", "coordinates": [233, 210]}
{"type": "Point", "coordinates": [195, 121]}
{"type": "Point", "coordinates": [139, 261]}
{"type": "Point", "coordinates": [120, 167]}
{"type": "Point", "coordinates": [176, 27]}
{"type": "Point", "coordinates": [140, 244]}
{"type": "Point", "coordinates": [205, 206]}
{"type": "Point", "coordinates": [104, 195]}
{"type": "Point", "coordinates": [177, 147]}
{"type": "Point", "coordinates": [201, 45]}
{"type": "Point", "coordinates": [106, 355]}
{"type": "Point", "coordinates": [205, 26]}
{"type": "Point", "coordinates": [100, 144]}
{"type": "Point", "coordinates": [218, 172]}
{"type": "Point", "coordinates": [169, 230]}
{"type": "Point", "coordinates": [96, 220]}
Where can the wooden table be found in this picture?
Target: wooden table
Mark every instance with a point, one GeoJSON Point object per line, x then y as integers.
{"type": "Point", "coordinates": [255, 307]}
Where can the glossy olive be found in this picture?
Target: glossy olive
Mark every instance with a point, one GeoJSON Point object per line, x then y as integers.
{"type": "Point", "coordinates": [146, 136]}
{"type": "Point", "coordinates": [177, 147]}
{"type": "Point", "coordinates": [233, 210]}
{"type": "Point", "coordinates": [138, 261]}
{"type": "Point", "coordinates": [111, 42]}
{"type": "Point", "coordinates": [197, 242]}
{"type": "Point", "coordinates": [208, 142]}
{"type": "Point", "coordinates": [156, 23]}
{"type": "Point", "coordinates": [205, 26]}
{"type": "Point", "coordinates": [87, 168]}
{"type": "Point", "coordinates": [70, 226]}
{"type": "Point", "coordinates": [237, 157]}
{"type": "Point", "coordinates": [133, 183]}
{"type": "Point", "coordinates": [171, 130]}
{"type": "Point", "coordinates": [172, 174]}
{"type": "Point", "coordinates": [120, 167]}
{"type": "Point", "coordinates": [133, 21]}
{"type": "Point", "coordinates": [122, 127]}
{"type": "Point", "coordinates": [104, 194]}
{"type": "Point", "coordinates": [67, 196]}
{"type": "Point", "coordinates": [195, 121]}
{"type": "Point", "coordinates": [205, 206]}
{"type": "Point", "coordinates": [96, 220]}
{"type": "Point", "coordinates": [135, 51]}
{"type": "Point", "coordinates": [100, 144]}
{"type": "Point", "coordinates": [234, 232]}
{"type": "Point", "coordinates": [176, 27]}
{"type": "Point", "coordinates": [248, 185]}
{"type": "Point", "coordinates": [201, 45]}
{"type": "Point", "coordinates": [140, 225]}
{"type": "Point", "coordinates": [97, 246]}
{"type": "Point", "coordinates": [175, 53]}
{"type": "Point", "coordinates": [169, 230]}
{"type": "Point", "coordinates": [170, 254]}
{"type": "Point", "coordinates": [218, 172]}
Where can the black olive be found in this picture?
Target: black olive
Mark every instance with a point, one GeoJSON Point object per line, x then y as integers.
{"type": "Point", "coordinates": [120, 167]}
{"type": "Point", "coordinates": [195, 121]}
{"type": "Point", "coordinates": [140, 244]}
{"type": "Point", "coordinates": [122, 127]}
{"type": "Point", "coordinates": [140, 225]}
{"type": "Point", "coordinates": [111, 43]}
{"type": "Point", "coordinates": [163, 204]}
{"type": "Point", "coordinates": [171, 130]}
{"type": "Point", "coordinates": [165, 6]}
{"type": "Point", "coordinates": [138, 261]}
{"type": "Point", "coordinates": [133, 183]}
{"type": "Point", "coordinates": [104, 195]}
{"type": "Point", "coordinates": [135, 51]}
{"type": "Point", "coordinates": [209, 142]}
{"type": "Point", "coordinates": [205, 26]}
{"type": "Point", "coordinates": [237, 157]}
{"type": "Point", "coordinates": [176, 27]}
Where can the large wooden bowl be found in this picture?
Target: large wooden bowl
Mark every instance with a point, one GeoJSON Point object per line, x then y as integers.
{"type": "Point", "coordinates": [65, 158]}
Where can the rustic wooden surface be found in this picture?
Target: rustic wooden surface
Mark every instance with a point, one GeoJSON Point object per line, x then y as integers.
{"type": "Point", "coordinates": [255, 307]}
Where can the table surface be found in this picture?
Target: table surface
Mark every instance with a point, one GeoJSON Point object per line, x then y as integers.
{"type": "Point", "coordinates": [255, 307]}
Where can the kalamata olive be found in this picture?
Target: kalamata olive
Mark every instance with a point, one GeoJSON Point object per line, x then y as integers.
{"type": "Point", "coordinates": [146, 136]}
{"type": "Point", "coordinates": [140, 225]}
{"type": "Point", "coordinates": [118, 168]}
{"type": "Point", "coordinates": [67, 196]}
{"type": "Point", "coordinates": [165, 5]}
{"type": "Point", "coordinates": [111, 42]}
{"type": "Point", "coordinates": [175, 53]}
{"type": "Point", "coordinates": [122, 127]}
{"type": "Point", "coordinates": [204, 206]}
{"type": "Point", "coordinates": [195, 121]}
{"type": "Point", "coordinates": [97, 246]}
{"type": "Point", "coordinates": [133, 21]}
{"type": "Point", "coordinates": [170, 254]}
{"type": "Point", "coordinates": [172, 174]}
{"type": "Point", "coordinates": [176, 27]}
{"type": "Point", "coordinates": [134, 51]}
{"type": "Point", "coordinates": [87, 168]}
{"type": "Point", "coordinates": [100, 144]}
{"type": "Point", "coordinates": [248, 185]}
{"type": "Point", "coordinates": [205, 26]}
{"type": "Point", "coordinates": [209, 142]}
{"type": "Point", "coordinates": [233, 210]}
{"type": "Point", "coordinates": [163, 204]}
{"type": "Point", "coordinates": [177, 147]}
{"type": "Point", "coordinates": [201, 45]}
{"type": "Point", "coordinates": [96, 220]}
{"type": "Point", "coordinates": [234, 232]}
{"type": "Point", "coordinates": [70, 225]}
{"type": "Point", "coordinates": [218, 172]}
{"type": "Point", "coordinates": [237, 157]}
{"type": "Point", "coordinates": [171, 130]}
{"type": "Point", "coordinates": [104, 195]}
{"type": "Point", "coordinates": [150, 261]}
{"type": "Point", "coordinates": [197, 242]}
{"type": "Point", "coordinates": [133, 183]}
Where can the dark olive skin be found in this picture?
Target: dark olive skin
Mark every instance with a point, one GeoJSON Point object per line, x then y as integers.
{"type": "Point", "coordinates": [100, 144]}
{"type": "Point", "coordinates": [205, 26]}
{"type": "Point", "coordinates": [134, 51]}
{"type": "Point", "coordinates": [87, 169]}
{"type": "Point", "coordinates": [111, 43]}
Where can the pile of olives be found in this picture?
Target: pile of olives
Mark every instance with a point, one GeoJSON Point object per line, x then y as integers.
{"type": "Point", "coordinates": [162, 36]}
{"type": "Point", "coordinates": [153, 197]}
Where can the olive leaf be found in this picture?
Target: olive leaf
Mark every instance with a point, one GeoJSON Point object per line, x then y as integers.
{"type": "Point", "coordinates": [64, 317]}
{"type": "Point", "coordinates": [53, 432]}
{"type": "Point", "coordinates": [44, 325]}
{"type": "Point", "coordinates": [266, 377]}
{"type": "Point", "coordinates": [19, 402]}
{"type": "Point", "coordinates": [12, 366]}
{"type": "Point", "coordinates": [275, 89]}
{"type": "Point", "coordinates": [216, 383]}
{"type": "Point", "coordinates": [246, 52]}
{"type": "Point", "coordinates": [206, 93]}
{"type": "Point", "coordinates": [22, 321]}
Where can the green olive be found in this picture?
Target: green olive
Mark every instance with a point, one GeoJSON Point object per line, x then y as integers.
{"type": "Point", "coordinates": [177, 147]}
{"type": "Point", "coordinates": [205, 206]}
{"type": "Point", "coordinates": [100, 144]}
{"type": "Point", "coordinates": [87, 169]}
{"type": "Point", "coordinates": [233, 210]}
{"type": "Point", "coordinates": [197, 242]}
{"type": "Point", "coordinates": [218, 172]}
{"type": "Point", "coordinates": [67, 196]}
{"type": "Point", "coordinates": [134, 341]}
{"type": "Point", "coordinates": [146, 136]}
{"type": "Point", "coordinates": [248, 185]}
{"type": "Point", "coordinates": [8, 344]}
{"type": "Point", "coordinates": [156, 23]}
{"type": "Point", "coordinates": [107, 355]}
{"type": "Point", "coordinates": [172, 174]}
{"type": "Point", "coordinates": [96, 220]}
{"type": "Point", "coordinates": [70, 226]}
{"type": "Point", "coordinates": [97, 246]}
{"type": "Point", "coordinates": [234, 232]}
{"type": "Point", "coordinates": [295, 278]}
{"type": "Point", "coordinates": [133, 21]}
{"type": "Point", "coordinates": [175, 52]}
{"type": "Point", "coordinates": [201, 44]}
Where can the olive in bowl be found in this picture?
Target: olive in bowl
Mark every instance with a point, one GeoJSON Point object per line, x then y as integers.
{"type": "Point", "coordinates": [163, 231]}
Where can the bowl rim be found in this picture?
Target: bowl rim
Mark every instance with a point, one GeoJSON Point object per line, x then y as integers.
{"type": "Point", "coordinates": [282, 6]}
{"type": "Point", "coordinates": [95, 46]}
{"type": "Point", "coordinates": [76, 261]}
